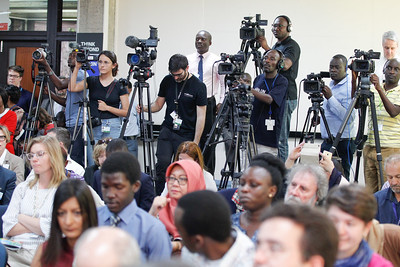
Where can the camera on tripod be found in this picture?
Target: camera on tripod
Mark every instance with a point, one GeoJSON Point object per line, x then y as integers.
{"type": "Point", "coordinates": [243, 100]}
{"type": "Point", "coordinates": [251, 30]}
{"type": "Point", "coordinates": [235, 66]}
{"type": "Point", "coordinates": [366, 64]}
{"type": "Point", "coordinates": [143, 56]}
{"type": "Point", "coordinates": [313, 84]}
{"type": "Point", "coordinates": [42, 52]}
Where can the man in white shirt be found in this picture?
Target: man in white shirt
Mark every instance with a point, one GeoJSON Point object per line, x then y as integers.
{"type": "Point", "coordinates": [202, 64]}
{"type": "Point", "coordinates": [203, 221]}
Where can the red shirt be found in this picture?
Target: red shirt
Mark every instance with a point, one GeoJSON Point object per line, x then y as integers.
{"type": "Point", "coordinates": [10, 121]}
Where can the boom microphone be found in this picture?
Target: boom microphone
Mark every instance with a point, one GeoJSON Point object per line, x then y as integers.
{"type": "Point", "coordinates": [132, 41]}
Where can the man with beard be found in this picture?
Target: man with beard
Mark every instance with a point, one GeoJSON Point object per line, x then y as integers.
{"type": "Point", "coordinates": [387, 103]}
{"type": "Point", "coordinates": [307, 184]}
{"type": "Point", "coordinates": [269, 103]}
{"type": "Point", "coordinates": [186, 99]}
{"type": "Point", "coordinates": [388, 199]}
{"type": "Point", "coordinates": [281, 29]}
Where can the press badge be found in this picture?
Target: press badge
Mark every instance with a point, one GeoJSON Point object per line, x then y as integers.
{"type": "Point", "coordinates": [105, 128]}
{"type": "Point", "coordinates": [177, 124]}
{"type": "Point", "coordinates": [380, 127]}
{"type": "Point", "coordinates": [270, 124]}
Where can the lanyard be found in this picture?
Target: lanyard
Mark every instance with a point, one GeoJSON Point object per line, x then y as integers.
{"type": "Point", "coordinates": [395, 213]}
{"type": "Point", "coordinates": [268, 90]}
{"type": "Point", "coordinates": [177, 97]}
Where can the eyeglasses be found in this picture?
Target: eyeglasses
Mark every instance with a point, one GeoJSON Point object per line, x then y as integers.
{"type": "Point", "coordinates": [181, 180]}
{"type": "Point", "coordinates": [38, 154]}
{"type": "Point", "coordinates": [13, 76]}
{"type": "Point", "coordinates": [104, 141]}
{"type": "Point", "coordinates": [177, 75]}
{"type": "Point", "coordinates": [2, 138]}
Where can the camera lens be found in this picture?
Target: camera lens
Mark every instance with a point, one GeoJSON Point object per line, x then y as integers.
{"type": "Point", "coordinates": [37, 55]}
{"type": "Point", "coordinates": [135, 59]}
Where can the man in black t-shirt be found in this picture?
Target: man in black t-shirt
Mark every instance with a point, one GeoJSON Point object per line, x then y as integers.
{"type": "Point", "coordinates": [186, 99]}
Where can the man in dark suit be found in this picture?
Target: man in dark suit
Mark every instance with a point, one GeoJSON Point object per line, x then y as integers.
{"type": "Point", "coordinates": [7, 186]}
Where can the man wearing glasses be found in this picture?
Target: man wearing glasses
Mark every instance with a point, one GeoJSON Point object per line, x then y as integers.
{"type": "Point", "coordinates": [281, 29]}
{"type": "Point", "coordinates": [14, 77]}
{"type": "Point", "coordinates": [186, 99]}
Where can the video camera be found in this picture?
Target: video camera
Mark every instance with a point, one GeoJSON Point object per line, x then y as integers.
{"type": "Point", "coordinates": [251, 30]}
{"type": "Point", "coordinates": [143, 56]}
{"type": "Point", "coordinates": [42, 52]}
{"type": "Point", "coordinates": [366, 64]}
{"type": "Point", "coordinates": [235, 66]}
{"type": "Point", "coordinates": [82, 53]}
{"type": "Point", "coordinates": [313, 84]}
{"type": "Point", "coordinates": [243, 100]}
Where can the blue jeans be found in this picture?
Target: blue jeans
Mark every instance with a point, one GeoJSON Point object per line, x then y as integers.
{"type": "Point", "coordinates": [132, 146]}
{"type": "Point", "coordinates": [115, 129]}
{"type": "Point", "coordinates": [283, 148]}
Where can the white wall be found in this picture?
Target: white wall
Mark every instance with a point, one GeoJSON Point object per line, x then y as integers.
{"type": "Point", "coordinates": [322, 29]}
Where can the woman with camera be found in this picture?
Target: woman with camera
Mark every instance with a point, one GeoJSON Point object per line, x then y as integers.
{"type": "Point", "coordinates": [106, 95]}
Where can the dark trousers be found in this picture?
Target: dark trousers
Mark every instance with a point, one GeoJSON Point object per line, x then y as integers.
{"type": "Point", "coordinates": [345, 149]}
{"type": "Point", "coordinates": [209, 154]}
{"type": "Point", "coordinates": [167, 144]}
{"type": "Point", "coordinates": [78, 146]}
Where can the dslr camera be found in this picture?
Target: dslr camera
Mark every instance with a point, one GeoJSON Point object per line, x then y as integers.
{"type": "Point", "coordinates": [144, 57]}
{"type": "Point", "coordinates": [313, 84]}
{"type": "Point", "coordinates": [251, 30]}
{"type": "Point", "coordinates": [366, 64]}
{"type": "Point", "coordinates": [42, 52]}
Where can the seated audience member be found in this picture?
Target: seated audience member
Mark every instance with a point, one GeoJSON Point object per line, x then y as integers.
{"type": "Point", "coordinates": [105, 247]}
{"type": "Point", "coordinates": [27, 219]}
{"type": "Point", "coordinates": [183, 176]}
{"type": "Point", "coordinates": [145, 196]}
{"type": "Point", "coordinates": [202, 219]}
{"type": "Point", "coordinates": [44, 121]}
{"type": "Point", "coordinates": [389, 199]}
{"type": "Point", "coordinates": [120, 181]}
{"type": "Point", "coordinates": [384, 239]}
{"type": "Point", "coordinates": [8, 160]}
{"type": "Point", "coordinates": [258, 187]}
{"type": "Point", "coordinates": [191, 151]}
{"type": "Point", "coordinates": [74, 211]}
{"type": "Point", "coordinates": [8, 118]}
{"type": "Point", "coordinates": [296, 235]}
{"type": "Point", "coordinates": [307, 184]}
{"type": "Point", "coordinates": [352, 208]}
{"type": "Point", "coordinates": [99, 156]}
{"type": "Point", "coordinates": [64, 137]}
{"type": "Point", "coordinates": [14, 95]}
{"type": "Point", "coordinates": [7, 185]}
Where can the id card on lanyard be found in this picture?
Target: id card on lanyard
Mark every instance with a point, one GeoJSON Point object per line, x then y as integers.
{"type": "Point", "coordinates": [177, 121]}
{"type": "Point", "coordinates": [269, 122]}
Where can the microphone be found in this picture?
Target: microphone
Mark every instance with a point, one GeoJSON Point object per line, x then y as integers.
{"type": "Point", "coordinates": [132, 41]}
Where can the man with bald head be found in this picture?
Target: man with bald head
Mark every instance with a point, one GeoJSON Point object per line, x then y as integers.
{"type": "Point", "coordinates": [202, 65]}
{"type": "Point", "coordinates": [105, 247]}
{"type": "Point", "coordinates": [387, 103]}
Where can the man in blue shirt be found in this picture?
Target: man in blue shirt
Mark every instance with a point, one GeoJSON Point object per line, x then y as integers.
{"type": "Point", "coordinates": [14, 77]}
{"type": "Point", "coordinates": [119, 182]}
{"type": "Point", "coordinates": [388, 199]}
{"type": "Point", "coordinates": [336, 102]}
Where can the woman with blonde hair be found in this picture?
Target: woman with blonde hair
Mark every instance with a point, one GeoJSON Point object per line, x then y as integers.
{"type": "Point", "coordinates": [26, 222]}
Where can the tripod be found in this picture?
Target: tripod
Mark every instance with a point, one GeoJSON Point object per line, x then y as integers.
{"type": "Point", "coordinates": [235, 115]}
{"type": "Point", "coordinates": [40, 81]}
{"type": "Point", "coordinates": [360, 100]}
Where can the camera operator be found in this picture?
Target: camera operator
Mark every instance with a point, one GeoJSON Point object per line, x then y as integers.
{"type": "Point", "coordinates": [269, 93]}
{"type": "Point", "coordinates": [202, 63]}
{"type": "Point", "coordinates": [387, 103]}
{"type": "Point", "coordinates": [70, 103]}
{"type": "Point", "coordinates": [186, 99]}
{"type": "Point", "coordinates": [336, 102]}
{"type": "Point", "coordinates": [281, 29]}
{"type": "Point", "coordinates": [105, 96]}
{"type": "Point", "coordinates": [390, 44]}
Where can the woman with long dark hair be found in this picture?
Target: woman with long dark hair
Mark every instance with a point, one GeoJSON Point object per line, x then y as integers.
{"type": "Point", "coordinates": [106, 95]}
{"type": "Point", "coordinates": [74, 211]}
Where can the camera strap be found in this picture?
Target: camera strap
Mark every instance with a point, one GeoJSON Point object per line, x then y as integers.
{"type": "Point", "coordinates": [177, 97]}
{"type": "Point", "coordinates": [268, 90]}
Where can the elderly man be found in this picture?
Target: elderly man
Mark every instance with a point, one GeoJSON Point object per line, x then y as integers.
{"type": "Point", "coordinates": [388, 199]}
{"type": "Point", "coordinates": [387, 103]}
{"type": "Point", "coordinates": [293, 235]}
{"type": "Point", "coordinates": [390, 44]}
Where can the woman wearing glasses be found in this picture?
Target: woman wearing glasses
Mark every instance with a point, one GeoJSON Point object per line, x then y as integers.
{"type": "Point", "coordinates": [182, 177]}
{"type": "Point", "coordinates": [27, 219]}
{"type": "Point", "coordinates": [106, 95]}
